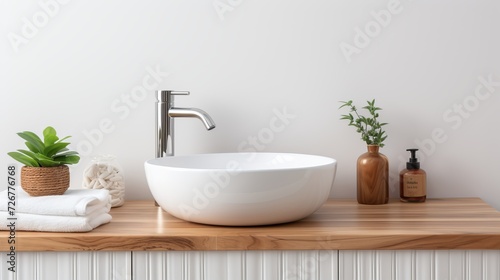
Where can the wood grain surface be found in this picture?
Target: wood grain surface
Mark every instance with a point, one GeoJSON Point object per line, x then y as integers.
{"type": "Point", "coordinates": [458, 223]}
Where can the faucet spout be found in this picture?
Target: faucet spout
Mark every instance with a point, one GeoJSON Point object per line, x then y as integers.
{"type": "Point", "coordinates": [192, 113]}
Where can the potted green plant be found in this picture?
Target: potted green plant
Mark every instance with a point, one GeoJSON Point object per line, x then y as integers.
{"type": "Point", "coordinates": [372, 168]}
{"type": "Point", "coordinates": [46, 163]}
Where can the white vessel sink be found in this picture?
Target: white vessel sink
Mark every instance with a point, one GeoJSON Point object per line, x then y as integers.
{"type": "Point", "coordinates": [241, 189]}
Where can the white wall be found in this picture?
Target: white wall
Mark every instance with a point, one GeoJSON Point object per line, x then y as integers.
{"type": "Point", "coordinates": [75, 64]}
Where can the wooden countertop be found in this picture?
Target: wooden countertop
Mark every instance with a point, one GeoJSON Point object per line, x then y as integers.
{"type": "Point", "coordinates": [459, 223]}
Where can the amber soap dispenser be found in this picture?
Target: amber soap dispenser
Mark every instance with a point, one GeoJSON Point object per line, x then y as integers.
{"type": "Point", "coordinates": [413, 180]}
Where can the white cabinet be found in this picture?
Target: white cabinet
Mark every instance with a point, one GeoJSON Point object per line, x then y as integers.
{"type": "Point", "coordinates": [419, 264]}
{"type": "Point", "coordinates": [235, 265]}
{"type": "Point", "coordinates": [68, 266]}
{"type": "Point", "coordinates": [256, 265]}
{"type": "Point", "coordinates": [319, 265]}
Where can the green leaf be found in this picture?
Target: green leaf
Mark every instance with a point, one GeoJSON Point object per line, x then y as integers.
{"type": "Point", "coordinates": [49, 163]}
{"type": "Point", "coordinates": [30, 154]}
{"type": "Point", "coordinates": [49, 136]}
{"type": "Point", "coordinates": [31, 147]}
{"type": "Point", "coordinates": [46, 161]}
{"type": "Point", "coordinates": [49, 152]}
{"type": "Point", "coordinates": [368, 126]}
{"type": "Point", "coordinates": [35, 141]}
{"type": "Point", "coordinates": [42, 156]}
{"type": "Point", "coordinates": [71, 159]}
{"type": "Point", "coordinates": [53, 149]}
{"type": "Point", "coordinates": [24, 159]}
{"type": "Point", "coordinates": [60, 140]}
{"type": "Point", "coordinates": [65, 153]}
{"type": "Point", "coordinates": [346, 117]}
{"type": "Point", "coordinates": [345, 103]}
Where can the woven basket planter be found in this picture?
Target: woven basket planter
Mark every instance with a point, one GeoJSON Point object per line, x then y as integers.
{"type": "Point", "coordinates": [40, 181]}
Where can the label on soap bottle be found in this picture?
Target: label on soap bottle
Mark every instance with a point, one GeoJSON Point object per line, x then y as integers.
{"type": "Point", "coordinates": [414, 185]}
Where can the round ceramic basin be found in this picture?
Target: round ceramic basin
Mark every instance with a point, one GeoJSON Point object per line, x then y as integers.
{"type": "Point", "coordinates": [241, 189]}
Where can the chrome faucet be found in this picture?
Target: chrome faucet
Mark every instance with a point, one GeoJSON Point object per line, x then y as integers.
{"type": "Point", "coordinates": [165, 114]}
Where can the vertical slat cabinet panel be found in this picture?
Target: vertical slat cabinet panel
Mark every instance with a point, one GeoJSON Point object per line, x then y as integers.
{"type": "Point", "coordinates": [424, 264]}
{"type": "Point", "coordinates": [309, 265]}
{"type": "Point", "coordinates": [194, 265]}
{"type": "Point", "coordinates": [491, 265]}
{"type": "Point", "coordinates": [442, 265]}
{"type": "Point", "coordinates": [366, 268]}
{"type": "Point", "coordinates": [70, 265]}
{"type": "Point", "coordinates": [291, 265]}
{"type": "Point", "coordinates": [175, 265]}
{"type": "Point", "coordinates": [419, 264]}
{"type": "Point", "coordinates": [254, 265]}
{"type": "Point", "coordinates": [53, 265]}
{"type": "Point", "coordinates": [116, 265]}
{"type": "Point", "coordinates": [215, 266]}
{"type": "Point", "coordinates": [141, 262]}
{"type": "Point", "coordinates": [193, 262]}
{"type": "Point", "coordinates": [310, 262]}
{"type": "Point", "coordinates": [474, 261]}
{"type": "Point", "coordinates": [156, 266]}
{"type": "Point", "coordinates": [457, 265]}
{"type": "Point", "coordinates": [328, 264]}
{"type": "Point", "coordinates": [357, 264]}
{"type": "Point", "coordinates": [26, 266]}
{"type": "Point", "coordinates": [85, 267]}
{"type": "Point", "coordinates": [5, 273]}
{"type": "Point", "coordinates": [385, 268]}
{"type": "Point", "coordinates": [348, 265]}
{"type": "Point", "coordinates": [405, 265]}
{"type": "Point", "coordinates": [271, 265]}
{"type": "Point", "coordinates": [167, 265]}
{"type": "Point", "coordinates": [99, 265]}
{"type": "Point", "coordinates": [382, 265]}
{"type": "Point", "coordinates": [235, 265]}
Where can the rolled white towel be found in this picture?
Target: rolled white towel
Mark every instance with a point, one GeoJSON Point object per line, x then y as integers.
{"type": "Point", "coordinates": [74, 202]}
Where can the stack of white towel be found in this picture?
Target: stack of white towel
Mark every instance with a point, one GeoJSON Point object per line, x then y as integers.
{"type": "Point", "coordinates": [77, 210]}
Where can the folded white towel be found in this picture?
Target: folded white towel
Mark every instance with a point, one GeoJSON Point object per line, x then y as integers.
{"type": "Point", "coordinates": [74, 202]}
{"type": "Point", "coordinates": [32, 222]}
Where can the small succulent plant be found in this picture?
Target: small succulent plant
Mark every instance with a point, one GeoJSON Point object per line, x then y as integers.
{"type": "Point", "coordinates": [50, 152]}
{"type": "Point", "coordinates": [369, 127]}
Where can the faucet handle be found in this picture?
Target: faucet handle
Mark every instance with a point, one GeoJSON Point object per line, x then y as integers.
{"type": "Point", "coordinates": [164, 95]}
{"type": "Point", "coordinates": [179, 92]}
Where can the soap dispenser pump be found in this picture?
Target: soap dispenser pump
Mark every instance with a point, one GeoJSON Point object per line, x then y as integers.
{"type": "Point", "coordinates": [413, 180]}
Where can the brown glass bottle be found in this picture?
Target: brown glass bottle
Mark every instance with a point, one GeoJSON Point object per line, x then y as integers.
{"type": "Point", "coordinates": [413, 181]}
